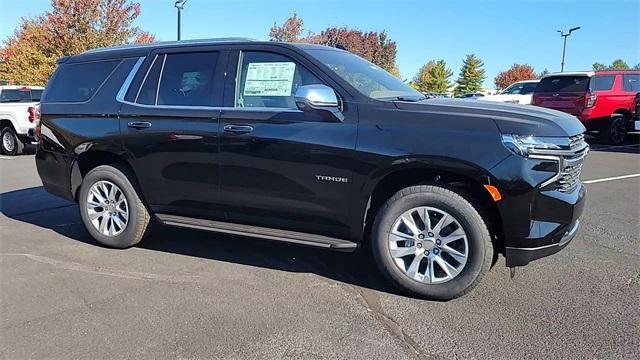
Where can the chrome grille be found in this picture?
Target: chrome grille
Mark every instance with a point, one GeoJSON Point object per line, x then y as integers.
{"type": "Point", "coordinates": [569, 176]}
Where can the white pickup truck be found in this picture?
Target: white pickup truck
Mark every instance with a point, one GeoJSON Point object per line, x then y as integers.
{"type": "Point", "coordinates": [18, 107]}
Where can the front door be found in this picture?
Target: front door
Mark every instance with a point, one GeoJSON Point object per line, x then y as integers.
{"type": "Point", "coordinates": [282, 167]}
{"type": "Point", "coordinates": [170, 128]}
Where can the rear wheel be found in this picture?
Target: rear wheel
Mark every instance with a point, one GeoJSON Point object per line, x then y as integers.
{"type": "Point", "coordinates": [615, 132]}
{"type": "Point", "coordinates": [11, 145]}
{"type": "Point", "coordinates": [111, 209]}
{"type": "Point", "coordinates": [431, 242]}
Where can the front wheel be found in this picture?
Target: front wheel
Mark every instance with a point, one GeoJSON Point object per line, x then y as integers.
{"type": "Point", "coordinates": [111, 209]}
{"type": "Point", "coordinates": [431, 242]}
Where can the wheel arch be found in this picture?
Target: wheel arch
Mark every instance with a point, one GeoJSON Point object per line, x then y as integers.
{"type": "Point", "coordinates": [624, 112]}
{"type": "Point", "coordinates": [88, 160]}
{"type": "Point", "coordinates": [465, 179]}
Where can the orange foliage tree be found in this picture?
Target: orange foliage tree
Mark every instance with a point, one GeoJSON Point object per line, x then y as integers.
{"type": "Point", "coordinates": [70, 27]}
{"type": "Point", "coordinates": [517, 72]}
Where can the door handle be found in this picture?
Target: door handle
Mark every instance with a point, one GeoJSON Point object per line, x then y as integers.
{"type": "Point", "coordinates": [139, 124]}
{"type": "Point", "coordinates": [238, 129]}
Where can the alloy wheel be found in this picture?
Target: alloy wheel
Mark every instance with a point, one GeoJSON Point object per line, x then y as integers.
{"type": "Point", "coordinates": [8, 142]}
{"type": "Point", "coordinates": [428, 245]}
{"type": "Point", "coordinates": [107, 208]}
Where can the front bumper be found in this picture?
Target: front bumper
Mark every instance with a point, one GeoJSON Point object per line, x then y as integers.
{"type": "Point", "coordinates": [522, 256]}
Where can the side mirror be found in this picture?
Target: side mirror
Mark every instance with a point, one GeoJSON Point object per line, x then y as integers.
{"type": "Point", "coordinates": [318, 97]}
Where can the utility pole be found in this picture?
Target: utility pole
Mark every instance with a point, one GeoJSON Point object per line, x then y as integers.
{"type": "Point", "coordinates": [179, 5]}
{"type": "Point", "coordinates": [564, 46]}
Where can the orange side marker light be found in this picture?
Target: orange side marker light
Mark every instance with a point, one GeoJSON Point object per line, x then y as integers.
{"type": "Point", "coordinates": [493, 191]}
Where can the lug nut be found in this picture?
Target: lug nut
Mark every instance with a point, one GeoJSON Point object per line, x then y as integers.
{"type": "Point", "coordinates": [419, 246]}
{"type": "Point", "coordinates": [430, 234]}
{"type": "Point", "coordinates": [421, 236]}
{"type": "Point", "coordinates": [426, 252]}
{"type": "Point", "coordinates": [438, 242]}
{"type": "Point", "coordinates": [435, 251]}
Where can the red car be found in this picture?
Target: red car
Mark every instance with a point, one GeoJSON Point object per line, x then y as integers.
{"type": "Point", "coordinates": [603, 100]}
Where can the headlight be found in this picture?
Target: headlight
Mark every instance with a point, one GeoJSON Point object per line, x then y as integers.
{"type": "Point", "coordinates": [527, 145]}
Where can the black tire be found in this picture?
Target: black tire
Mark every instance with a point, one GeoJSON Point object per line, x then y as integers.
{"type": "Point", "coordinates": [480, 246]}
{"type": "Point", "coordinates": [138, 219]}
{"type": "Point", "coordinates": [615, 131]}
{"type": "Point", "coordinates": [18, 146]}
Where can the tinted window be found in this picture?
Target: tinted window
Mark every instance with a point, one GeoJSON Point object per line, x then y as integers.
{"type": "Point", "coordinates": [78, 82]}
{"type": "Point", "coordinates": [187, 79]}
{"type": "Point", "coordinates": [631, 82]}
{"type": "Point", "coordinates": [270, 80]}
{"type": "Point", "coordinates": [563, 84]}
{"type": "Point", "coordinates": [528, 88]}
{"type": "Point", "coordinates": [603, 82]}
{"type": "Point", "coordinates": [20, 95]}
{"type": "Point", "coordinates": [147, 94]}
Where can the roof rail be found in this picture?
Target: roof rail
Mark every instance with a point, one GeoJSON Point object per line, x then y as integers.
{"type": "Point", "coordinates": [169, 43]}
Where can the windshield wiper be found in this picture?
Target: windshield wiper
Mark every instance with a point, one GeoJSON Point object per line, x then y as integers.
{"type": "Point", "coordinates": [403, 98]}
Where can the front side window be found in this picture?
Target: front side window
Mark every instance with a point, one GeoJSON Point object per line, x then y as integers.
{"type": "Point", "coordinates": [631, 82]}
{"type": "Point", "coordinates": [270, 80]}
{"type": "Point", "coordinates": [603, 82]}
{"type": "Point", "coordinates": [514, 89]}
{"type": "Point", "coordinates": [366, 77]}
{"type": "Point", "coordinates": [187, 79]}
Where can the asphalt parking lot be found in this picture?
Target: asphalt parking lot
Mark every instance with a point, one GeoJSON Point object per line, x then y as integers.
{"type": "Point", "coordinates": [187, 294]}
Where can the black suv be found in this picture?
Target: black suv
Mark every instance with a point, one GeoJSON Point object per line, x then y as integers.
{"type": "Point", "coordinates": [310, 145]}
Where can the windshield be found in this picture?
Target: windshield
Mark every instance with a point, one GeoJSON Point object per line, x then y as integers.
{"type": "Point", "coordinates": [520, 89]}
{"type": "Point", "coordinates": [366, 77]}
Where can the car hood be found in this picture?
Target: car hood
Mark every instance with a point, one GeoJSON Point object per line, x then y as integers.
{"type": "Point", "coordinates": [510, 118]}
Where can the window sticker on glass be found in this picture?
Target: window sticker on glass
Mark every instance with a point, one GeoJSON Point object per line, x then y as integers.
{"type": "Point", "coordinates": [269, 79]}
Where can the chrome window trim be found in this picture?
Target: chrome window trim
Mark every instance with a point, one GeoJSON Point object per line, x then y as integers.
{"type": "Point", "coordinates": [164, 60]}
{"type": "Point", "coordinates": [127, 82]}
{"type": "Point", "coordinates": [136, 67]}
{"type": "Point", "coordinates": [145, 78]}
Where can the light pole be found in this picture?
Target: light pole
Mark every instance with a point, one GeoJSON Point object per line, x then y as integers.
{"type": "Point", "coordinates": [179, 5]}
{"type": "Point", "coordinates": [564, 46]}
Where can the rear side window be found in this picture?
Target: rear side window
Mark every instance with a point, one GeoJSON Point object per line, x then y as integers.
{"type": "Point", "coordinates": [603, 82]}
{"type": "Point", "coordinates": [78, 82]}
{"type": "Point", "coordinates": [631, 82]}
{"type": "Point", "coordinates": [558, 84]}
{"type": "Point", "coordinates": [19, 95]}
{"type": "Point", "coordinates": [187, 79]}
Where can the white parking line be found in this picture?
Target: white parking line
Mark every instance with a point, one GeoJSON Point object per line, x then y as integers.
{"type": "Point", "coordinates": [611, 178]}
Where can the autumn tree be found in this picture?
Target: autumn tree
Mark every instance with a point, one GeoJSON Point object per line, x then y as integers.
{"type": "Point", "coordinates": [371, 45]}
{"type": "Point", "coordinates": [290, 30]}
{"type": "Point", "coordinates": [517, 72]}
{"type": "Point", "coordinates": [619, 64]}
{"type": "Point", "coordinates": [69, 28]}
{"type": "Point", "coordinates": [471, 76]}
{"type": "Point", "coordinates": [421, 79]}
{"type": "Point", "coordinates": [598, 66]}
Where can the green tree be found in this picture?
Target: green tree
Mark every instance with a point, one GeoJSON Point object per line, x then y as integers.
{"type": "Point", "coordinates": [471, 76]}
{"type": "Point", "coordinates": [636, 66]}
{"type": "Point", "coordinates": [543, 73]}
{"type": "Point", "coordinates": [438, 81]}
{"type": "Point", "coordinates": [599, 66]}
{"type": "Point", "coordinates": [619, 64]}
{"type": "Point", "coordinates": [421, 79]}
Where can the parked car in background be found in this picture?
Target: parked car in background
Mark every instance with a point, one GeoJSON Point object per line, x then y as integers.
{"type": "Point", "coordinates": [431, 95]}
{"type": "Point", "coordinates": [310, 145]}
{"type": "Point", "coordinates": [471, 96]}
{"type": "Point", "coordinates": [603, 100]}
{"type": "Point", "coordinates": [18, 107]}
{"type": "Point", "coordinates": [517, 93]}
{"type": "Point", "coordinates": [637, 112]}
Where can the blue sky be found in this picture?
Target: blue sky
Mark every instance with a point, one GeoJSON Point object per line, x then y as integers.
{"type": "Point", "coordinates": [500, 32]}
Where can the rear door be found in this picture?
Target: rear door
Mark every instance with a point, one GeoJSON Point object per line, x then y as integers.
{"type": "Point", "coordinates": [169, 124]}
{"type": "Point", "coordinates": [282, 167]}
{"type": "Point", "coordinates": [563, 92]}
